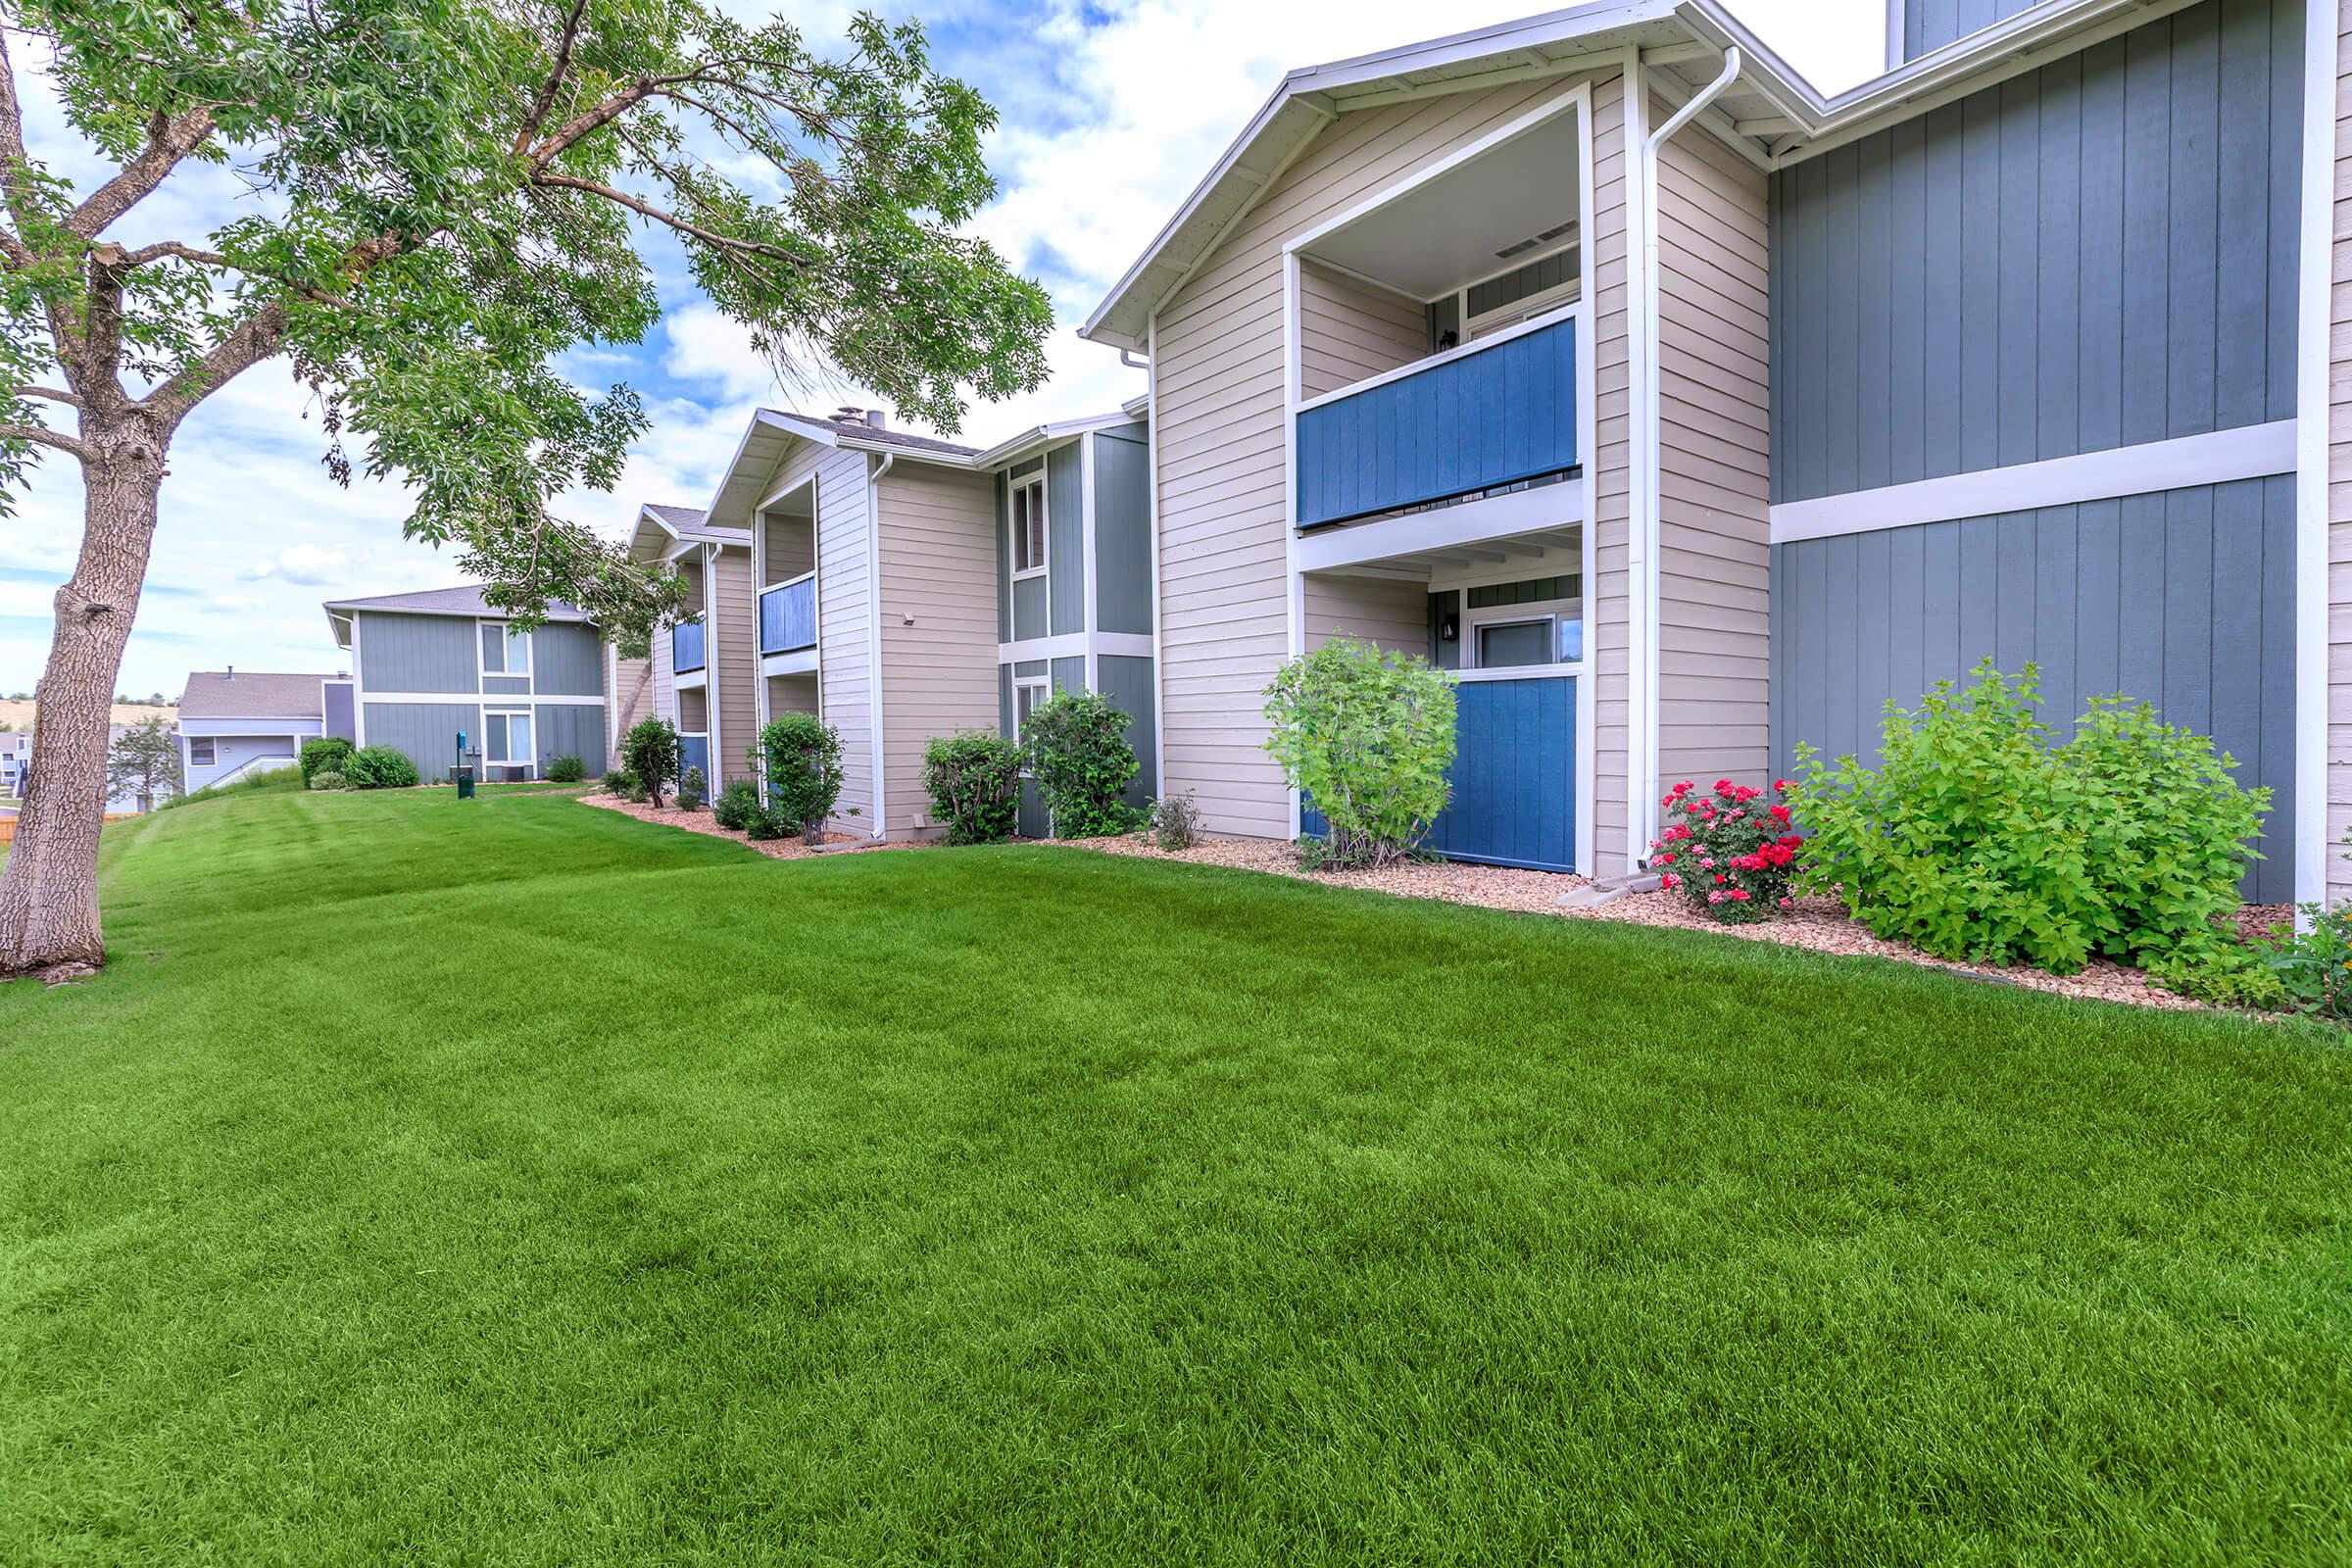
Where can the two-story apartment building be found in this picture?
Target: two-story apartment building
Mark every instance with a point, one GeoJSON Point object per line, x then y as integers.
{"type": "Point", "coordinates": [1690, 413]}
{"type": "Point", "coordinates": [904, 588]}
{"type": "Point", "coordinates": [426, 667]}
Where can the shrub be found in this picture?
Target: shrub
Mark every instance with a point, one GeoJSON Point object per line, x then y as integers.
{"type": "Point", "coordinates": [618, 780]}
{"type": "Point", "coordinates": [566, 769]}
{"type": "Point", "coordinates": [329, 780]}
{"type": "Point", "coordinates": [323, 753]}
{"type": "Point", "coordinates": [1977, 841]}
{"type": "Point", "coordinates": [1076, 746]}
{"type": "Point", "coordinates": [2311, 970]}
{"type": "Point", "coordinates": [693, 790]}
{"type": "Point", "coordinates": [379, 767]}
{"type": "Point", "coordinates": [802, 755]}
{"type": "Point", "coordinates": [651, 751]}
{"type": "Point", "coordinates": [769, 823]}
{"type": "Point", "coordinates": [1730, 857]}
{"type": "Point", "coordinates": [1175, 823]}
{"type": "Point", "coordinates": [637, 793]}
{"type": "Point", "coordinates": [974, 780]}
{"type": "Point", "coordinates": [736, 806]}
{"type": "Point", "coordinates": [1369, 736]}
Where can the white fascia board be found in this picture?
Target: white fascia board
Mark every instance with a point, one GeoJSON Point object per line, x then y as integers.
{"type": "Point", "coordinates": [1014, 448]}
{"type": "Point", "coordinates": [2217, 456]}
{"type": "Point", "coordinates": [1469, 522]}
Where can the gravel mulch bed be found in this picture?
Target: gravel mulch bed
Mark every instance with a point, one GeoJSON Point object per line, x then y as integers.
{"type": "Point", "coordinates": [1818, 924]}
{"type": "Point", "coordinates": [791, 849]}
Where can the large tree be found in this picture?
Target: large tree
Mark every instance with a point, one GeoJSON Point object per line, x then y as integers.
{"type": "Point", "coordinates": [418, 205]}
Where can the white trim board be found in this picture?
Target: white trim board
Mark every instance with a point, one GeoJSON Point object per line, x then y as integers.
{"type": "Point", "coordinates": [498, 699]}
{"type": "Point", "coordinates": [2218, 456]}
{"type": "Point", "coordinates": [2312, 461]}
{"type": "Point", "coordinates": [1467, 523]}
{"type": "Point", "coordinates": [1077, 644]}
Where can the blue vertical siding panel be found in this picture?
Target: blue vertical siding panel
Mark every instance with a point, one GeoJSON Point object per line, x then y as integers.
{"type": "Point", "coordinates": [2235, 615]}
{"type": "Point", "coordinates": [1939, 609]}
{"type": "Point", "coordinates": [1065, 552]}
{"type": "Point", "coordinates": [2017, 326]}
{"type": "Point", "coordinates": [1843, 577]}
{"type": "Point", "coordinates": [1979, 590]}
{"type": "Point", "coordinates": [2054, 598]}
{"type": "Point", "coordinates": [2276, 880]}
{"type": "Point", "coordinates": [1875, 612]}
{"type": "Point", "coordinates": [2187, 692]}
{"type": "Point", "coordinates": [1940, 442]}
{"type": "Point", "coordinates": [1874, 309]}
{"type": "Point", "coordinates": [2140, 634]}
{"type": "Point", "coordinates": [1810, 349]}
{"type": "Point", "coordinates": [1842, 340]}
{"type": "Point", "coordinates": [2286, 200]}
{"type": "Point", "coordinates": [1776, 310]}
{"type": "Point", "coordinates": [1907, 269]}
{"type": "Point", "coordinates": [2099, 290]}
{"type": "Point", "coordinates": [1980, 364]}
{"type": "Point", "coordinates": [2098, 596]}
{"type": "Point", "coordinates": [2147, 191]}
{"type": "Point", "coordinates": [1513, 779]}
{"type": "Point", "coordinates": [2052, 366]}
{"type": "Point", "coordinates": [2241, 264]}
{"type": "Point", "coordinates": [2013, 612]}
{"type": "Point", "coordinates": [2192, 219]}
{"type": "Point", "coordinates": [1906, 620]}
{"type": "Point", "coordinates": [1813, 669]}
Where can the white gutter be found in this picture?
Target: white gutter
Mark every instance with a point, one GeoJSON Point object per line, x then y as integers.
{"type": "Point", "coordinates": [1641, 820]}
{"type": "Point", "coordinates": [873, 622]}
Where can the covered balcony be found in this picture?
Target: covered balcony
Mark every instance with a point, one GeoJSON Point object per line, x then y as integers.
{"type": "Point", "coordinates": [690, 640]}
{"type": "Point", "coordinates": [688, 643]}
{"type": "Point", "coordinates": [784, 563]}
{"type": "Point", "coordinates": [1441, 341]}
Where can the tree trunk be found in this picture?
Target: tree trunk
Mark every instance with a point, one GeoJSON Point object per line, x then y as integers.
{"type": "Point", "coordinates": [49, 888]}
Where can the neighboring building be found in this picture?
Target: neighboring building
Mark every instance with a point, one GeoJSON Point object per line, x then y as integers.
{"type": "Point", "coordinates": [235, 723]}
{"type": "Point", "coordinates": [1691, 415]}
{"type": "Point", "coordinates": [426, 667]}
{"type": "Point", "coordinates": [16, 762]}
{"type": "Point", "coordinates": [904, 588]}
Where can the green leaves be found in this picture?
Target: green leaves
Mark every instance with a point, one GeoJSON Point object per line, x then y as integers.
{"type": "Point", "coordinates": [1076, 746]}
{"type": "Point", "coordinates": [651, 752]}
{"type": "Point", "coordinates": [800, 754]}
{"type": "Point", "coordinates": [1978, 841]}
{"type": "Point", "coordinates": [974, 780]}
{"type": "Point", "coordinates": [1368, 734]}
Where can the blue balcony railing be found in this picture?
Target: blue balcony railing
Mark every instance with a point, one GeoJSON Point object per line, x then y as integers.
{"type": "Point", "coordinates": [788, 616]}
{"type": "Point", "coordinates": [686, 647]}
{"type": "Point", "coordinates": [693, 750]}
{"type": "Point", "coordinates": [1494, 414]}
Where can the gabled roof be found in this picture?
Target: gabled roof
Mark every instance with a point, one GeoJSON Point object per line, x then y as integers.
{"type": "Point", "coordinates": [464, 601]}
{"type": "Point", "coordinates": [1769, 112]}
{"type": "Point", "coordinates": [253, 694]}
{"type": "Point", "coordinates": [673, 518]}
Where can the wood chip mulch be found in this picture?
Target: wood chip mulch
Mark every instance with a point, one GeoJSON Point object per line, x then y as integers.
{"type": "Point", "coordinates": [1820, 925]}
{"type": "Point", "coordinates": [789, 849]}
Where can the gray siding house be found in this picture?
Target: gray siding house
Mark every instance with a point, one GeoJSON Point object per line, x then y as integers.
{"type": "Point", "coordinates": [235, 723]}
{"type": "Point", "coordinates": [428, 667]}
{"type": "Point", "coordinates": [904, 588]}
{"type": "Point", "coordinates": [1690, 413]}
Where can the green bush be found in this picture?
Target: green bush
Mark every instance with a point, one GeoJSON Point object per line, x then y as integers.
{"type": "Point", "coordinates": [1175, 823]}
{"type": "Point", "coordinates": [618, 780]}
{"type": "Point", "coordinates": [2312, 969]}
{"type": "Point", "coordinates": [1369, 736]}
{"type": "Point", "coordinates": [651, 751]}
{"type": "Point", "coordinates": [769, 823]}
{"type": "Point", "coordinates": [735, 806]}
{"type": "Point", "coordinates": [329, 780]}
{"type": "Point", "coordinates": [1976, 840]}
{"type": "Point", "coordinates": [323, 753]}
{"type": "Point", "coordinates": [566, 770]}
{"type": "Point", "coordinates": [974, 780]}
{"type": "Point", "coordinates": [801, 756]}
{"type": "Point", "coordinates": [1075, 743]}
{"type": "Point", "coordinates": [693, 790]}
{"type": "Point", "coordinates": [379, 767]}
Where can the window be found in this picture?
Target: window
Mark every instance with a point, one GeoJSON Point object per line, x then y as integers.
{"type": "Point", "coordinates": [507, 739]}
{"type": "Point", "coordinates": [1029, 527]}
{"type": "Point", "coordinates": [1547, 639]}
{"type": "Point", "coordinates": [1028, 694]}
{"type": "Point", "coordinates": [200, 751]}
{"type": "Point", "coordinates": [504, 650]}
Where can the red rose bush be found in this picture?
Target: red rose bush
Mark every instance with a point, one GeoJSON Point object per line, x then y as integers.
{"type": "Point", "coordinates": [1728, 852]}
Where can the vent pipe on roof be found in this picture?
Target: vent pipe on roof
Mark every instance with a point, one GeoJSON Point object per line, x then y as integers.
{"type": "Point", "coordinates": [232, 673]}
{"type": "Point", "coordinates": [877, 420]}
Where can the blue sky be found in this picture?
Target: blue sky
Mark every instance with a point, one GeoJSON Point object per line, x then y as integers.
{"type": "Point", "coordinates": [1110, 109]}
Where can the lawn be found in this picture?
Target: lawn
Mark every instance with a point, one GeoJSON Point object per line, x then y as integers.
{"type": "Point", "coordinates": [510, 1182]}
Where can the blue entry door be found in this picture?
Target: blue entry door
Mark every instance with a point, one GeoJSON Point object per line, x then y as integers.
{"type": "Point", "coordinates": [1514, 776]}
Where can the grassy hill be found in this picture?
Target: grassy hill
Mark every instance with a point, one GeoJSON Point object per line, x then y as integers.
{"type": "Point", "coordinates": [17, 714]}
{"type": "Point", "coordinates": [509, 1181]}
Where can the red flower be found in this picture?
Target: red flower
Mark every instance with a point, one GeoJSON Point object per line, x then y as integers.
{"type": "Point", "coordinates": [1721, 880]}
{"type": "Point", "coordinates": [1780, 784]}
{"type": "Point", "coordinates": [1666, 859]}
{"type": "Point", "coordinates": [1780, 814]}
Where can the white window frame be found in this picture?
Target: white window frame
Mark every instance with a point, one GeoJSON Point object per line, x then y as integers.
{"type": "Point", "coordinates": [513, 639]}
{"type": "Point", "coordinates": [1551, 611]}
{"type": "Point", "coordinates": [211, 756]}
{"type": "Point", "coordinates": [1528, 306]}
{"type": "Point", "coordinates": [1013, 526]}
{"type": "Point", "coordinates": [510, 714]}
{"type": "Point", "coordinates": [1043, 685]}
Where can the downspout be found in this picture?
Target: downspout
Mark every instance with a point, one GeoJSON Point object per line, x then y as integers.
{"type": "Point", "coordinates": [873, 614]}
{"type": "Point", "coordinates": [1643, 817]}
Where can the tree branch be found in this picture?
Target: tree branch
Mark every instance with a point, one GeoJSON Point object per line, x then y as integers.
{"type": "Point", "coordinates": [554, 84]}
{"type": "Point", "coordinates": [170, 247]}
{"type": "Point", "coordinates": [42, 435]}
{"type": "Point", "coordinates": [49, 392]}
{"type": "Point", "coordinates": [169, 138]}
{"type": "Point", "coordinates": [246, 345]}
{"type": "Point", "coordinates": [725, 242]}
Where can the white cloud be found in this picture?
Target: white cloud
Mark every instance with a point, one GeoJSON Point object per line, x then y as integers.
{"type": "Point", "coordinates": [311, 566]}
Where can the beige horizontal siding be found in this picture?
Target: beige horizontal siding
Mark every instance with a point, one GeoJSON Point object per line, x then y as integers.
{"type": "Point", "coordinates": [939, 624]}
{"type": "Point", "coordinates": [1350, 331]}
{"type": "Point", "coordinates": [733, 649]}
{"type": "Point", "coordinates": [1388, 614]}
{"type": "Point", "coordinates": [1714, 462]}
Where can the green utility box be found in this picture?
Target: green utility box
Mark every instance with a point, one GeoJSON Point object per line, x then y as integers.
{"type": "Point", "coordinates": [464, 783]}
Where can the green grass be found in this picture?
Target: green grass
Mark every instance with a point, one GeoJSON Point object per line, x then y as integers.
{"type": "Point", "coordinates": [269, 781]}
{"type": "Point", "coordinates": [510, 1182]}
